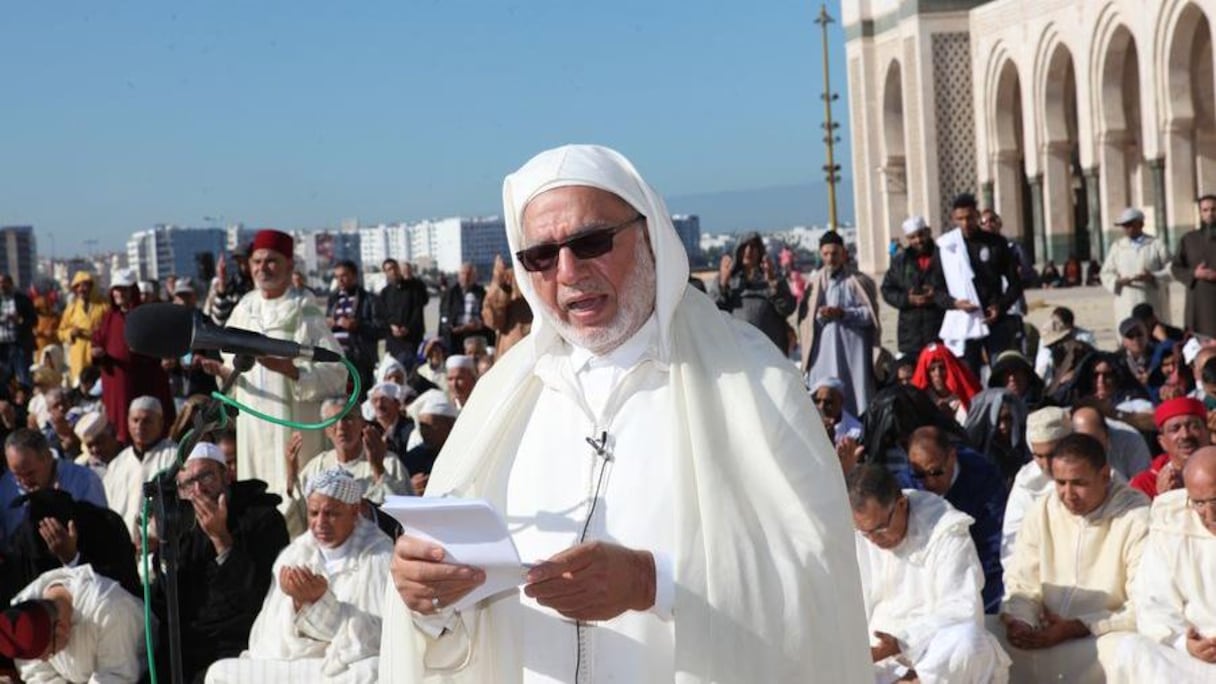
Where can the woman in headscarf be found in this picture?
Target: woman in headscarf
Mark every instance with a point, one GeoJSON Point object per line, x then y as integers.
{"type": "Point", "coordinates": [888, 423]}
{"type": "Point", "coordinates": [996, 425]}
{"type": "Point", "coordinates": [1164, 380]}
{"type": "Point", "coordinates": [752, 289]}
{"type": "Point", "coordinates": [431, 363]}
{"type": "Point", "coordinates": [46, 329]}
{"type": "Point", "coordinates": [80, 320]}
{"type": "Point", "coordinates": [1103, 379]}
{"type": "Point", "coordinates": [948, 382]}
{"type": "Point", "coordinates": [124, 373]}
{"type": "Point", "coordinates": [1013, 372]}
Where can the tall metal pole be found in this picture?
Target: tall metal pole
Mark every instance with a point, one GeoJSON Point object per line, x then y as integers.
{"type": "Point", "coordinates": [831, 169]}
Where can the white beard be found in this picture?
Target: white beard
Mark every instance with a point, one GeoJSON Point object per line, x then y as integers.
{"type": "Point", "coordinates": [635, 303]}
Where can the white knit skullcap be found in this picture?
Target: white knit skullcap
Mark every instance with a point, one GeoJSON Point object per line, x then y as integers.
{"type": "Point", "coordinates": [335, 483]}
{"type": "Point", "coordinates": [460, 361]}
{"type": "Point", "coordinates": [90, 425]}
{"type": "Point", "coordinates": [435, 403]}
{"type": "Point", "coordinates": [147, 403]}
{"type": "Point", "coordinates": [392, 390]}
{"type": "Point", "coordinates": [1049, 424]}
{"type": "Point", "coordinates": [208, 451]}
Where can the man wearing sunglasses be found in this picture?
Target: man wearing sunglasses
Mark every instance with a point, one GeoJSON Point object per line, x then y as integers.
{"type": "Point", "coordinates": [973, 485]}
{"type": "Point", "coordinates": [640, 443]}
{"type": "Point", "coordinates": [921, 580]}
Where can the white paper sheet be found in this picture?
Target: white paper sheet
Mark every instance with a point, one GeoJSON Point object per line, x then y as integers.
{"type": "Point", "coordinates": [471, 531]}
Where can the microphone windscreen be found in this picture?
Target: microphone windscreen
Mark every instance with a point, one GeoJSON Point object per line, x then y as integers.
{"type": "Point", "coordinates": [160, 330]}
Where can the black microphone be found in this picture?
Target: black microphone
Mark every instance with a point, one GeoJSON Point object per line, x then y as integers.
{"type": "Point", "coordinates": [168, 331]}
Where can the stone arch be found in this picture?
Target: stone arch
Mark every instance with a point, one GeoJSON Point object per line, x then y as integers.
{"type": "Point", "coordinates": [1065, 196]}
{"type": "Point", "coordinates": [1125, 177]}
{"type": "Point", "coordinates": [894, 155]}
{"type": "Point", "coordinates": [1011, 188]}
{"type": "Point", "coordinates": [1190, 114]}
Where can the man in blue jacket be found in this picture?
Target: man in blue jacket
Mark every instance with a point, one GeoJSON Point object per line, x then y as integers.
{"type": "Point", "coordinates": [972, 485]}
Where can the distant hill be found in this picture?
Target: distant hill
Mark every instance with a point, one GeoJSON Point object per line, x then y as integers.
{"type": "Point", "coordinates": [770, 208]}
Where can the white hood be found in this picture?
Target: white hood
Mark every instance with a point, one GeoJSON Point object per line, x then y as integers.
{"type": "Point", "coordinates": [597, 167]}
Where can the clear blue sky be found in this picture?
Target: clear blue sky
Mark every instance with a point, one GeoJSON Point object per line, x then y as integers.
{"type": "Point", "coordinates": [118, 115]}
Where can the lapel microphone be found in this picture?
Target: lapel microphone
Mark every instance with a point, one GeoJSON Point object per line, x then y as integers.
{"type": "Point", "coordinates": [600, 446]}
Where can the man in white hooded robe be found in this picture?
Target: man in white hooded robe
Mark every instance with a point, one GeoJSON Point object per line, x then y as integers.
{"type": "Point", "coordinates": [921, 578]}
{"type": "Point", "coordinates": [660, 461]}
{"type": "Point", "coordinates": [99, 629]}
{"type": "Point", "coordinates": [1176, 605]}
{"type": "Point", "coordinates": [341, 563]}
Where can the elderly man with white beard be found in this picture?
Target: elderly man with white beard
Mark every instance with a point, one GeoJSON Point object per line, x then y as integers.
{"type": "Point", "coordinates": [1175, 604]}
{"type": "Point", "coordinates": [321, 619]}
{"type": "Point", "coordinates": [921, 579]}
{"type": "Point", "coordinates": [701, 449]}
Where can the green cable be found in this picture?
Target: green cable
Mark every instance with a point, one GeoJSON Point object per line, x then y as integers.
{"type": "Point", "coordinates": [143, 528]}
{"type": "Point", "coordinates": [350, 404]}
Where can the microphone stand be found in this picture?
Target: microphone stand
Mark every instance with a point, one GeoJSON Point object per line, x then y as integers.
{"type": "Point", "coordinates": [168, 513]}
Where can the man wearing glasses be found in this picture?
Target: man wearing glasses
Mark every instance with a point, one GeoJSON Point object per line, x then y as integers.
{"type": "Point", "coordinates": [1068, 584]}
{"type": "Point", "coordinates": [1175, 604]}
{"type": "Point", "coordinates": [227, 551]}
{"type": "Point", "coordinates": [921, 581]}
{"type": "Point", "coordinates": [655, 459]}
{"type": "Point", "coordinates": [973, 485]}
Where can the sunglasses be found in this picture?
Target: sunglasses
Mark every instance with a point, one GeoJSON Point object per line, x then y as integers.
{"type": "Point", "coordinates": [586, 245]}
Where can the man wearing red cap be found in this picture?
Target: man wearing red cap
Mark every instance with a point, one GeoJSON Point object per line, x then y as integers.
{"type": "Point", "coordinates": [74, 625]}
{"type": "Point", "coordinates": [1182, 423]}
{"type": "Point", "coordinates": [288, 388]}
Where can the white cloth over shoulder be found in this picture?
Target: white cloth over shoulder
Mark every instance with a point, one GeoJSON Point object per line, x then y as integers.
{"type": "Point", "coordinates": [959, 326]}
{"type": "Point", "coordinates": [107, 639]}
{"type": "Point", "coordinates": [753, 476]}
{"type": "Point", "coordinates": [926, 593]}
{"type": "Point", "coordinates": [336, 639]}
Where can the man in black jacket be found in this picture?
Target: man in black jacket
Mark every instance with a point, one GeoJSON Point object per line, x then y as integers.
{"type": "Point", "coordinates": [403, 302]}
{"type": "Point", "coordinates": [59, 530]}
{"type": "Point", "coordinates": [460, 315]}
{"type": "Point", "coordinates": [227, 553]}
{"type": "Point", "coordinates": [17, 319]}
{"type": "Point", "coordinates": [354, 317]}
{"type": "Point", "coordinates": [915, 285]}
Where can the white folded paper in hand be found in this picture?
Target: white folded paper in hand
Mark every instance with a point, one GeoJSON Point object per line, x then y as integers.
{"type": "Point", "coordinates": [470, 531]}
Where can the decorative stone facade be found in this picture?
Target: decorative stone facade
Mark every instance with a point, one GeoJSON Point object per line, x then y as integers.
{"type": "Point", "coordinates": [1057, 113]}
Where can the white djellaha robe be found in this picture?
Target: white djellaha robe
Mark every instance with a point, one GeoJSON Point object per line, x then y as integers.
{"type": "Point", "coordinates": [123, 478]}
{"type": "Point", "coordinates": [106, 644]}
{"type": "Point", "coordinates": [336, 639]}
{"type": "Point", "coordinates": [719, 466]}
{"type": "Point", "coordinates": [260, 445]}
{"type": "Point", "coordinates": [1173, 592]}
{"type": "Point", "coordinates": [1128, 258]}
{"type": "Point", "coordinates": [925, 592]}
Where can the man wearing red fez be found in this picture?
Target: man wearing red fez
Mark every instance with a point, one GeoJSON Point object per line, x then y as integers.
{"type": "Point", "coordinates": [289, 388]}
{"type": "Point", "coordinates": [1183, 428]}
